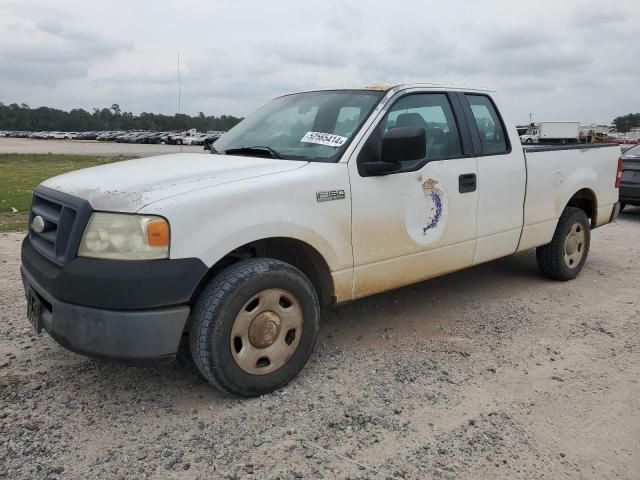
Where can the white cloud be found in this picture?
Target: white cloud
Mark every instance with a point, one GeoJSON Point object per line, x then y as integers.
{"type": "Point", "coordinates": [558, 60]}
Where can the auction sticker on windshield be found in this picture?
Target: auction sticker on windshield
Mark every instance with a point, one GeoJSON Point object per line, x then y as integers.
{"type": "Point", "coordinates": [320, 138]}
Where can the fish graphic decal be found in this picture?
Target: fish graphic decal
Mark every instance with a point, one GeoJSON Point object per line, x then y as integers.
{"type": "Point", "coordinates": [426, 212]}
{"type": "Point", "coordinates": [435, 212]}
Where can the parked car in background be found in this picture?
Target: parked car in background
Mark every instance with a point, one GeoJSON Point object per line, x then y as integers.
{"type": "Point", "coordinates": [174, 137]}
{"type": "Point", "coordinates": [185, 137]}
{"type": "Point", "coordinates": [623, 140]}
{"type": "Point", "coordinates": [149, 137]}
{"type": "Point", "coordinates": [210, 139]}
{"type": "Point", "coordinates": [125, 137]}
{"type": "Point", "coordinates": [109, 136]}
{"type": "Point", "coordinates": [630, 181]}
{"type": "Point", "coordinates": [162, 138]}
{"type": "Point", "coordinates": [134, 137]}
{"type": "Point", "coordinates": [87, 135]}
{"type": "Point", "coordinates": [197, 139]}
{"type": "Point", "coordinates": [56, 135]}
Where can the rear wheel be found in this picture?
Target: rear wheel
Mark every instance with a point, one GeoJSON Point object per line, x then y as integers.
{"type": "Point", "coordinates": [564, 257]}
{"type": "Point", "coordinates": [254, 326]}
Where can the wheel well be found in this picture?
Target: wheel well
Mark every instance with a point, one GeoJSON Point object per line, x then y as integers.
{"type": "Point", "coordinates": [294, 252]}
{"type": "Point", "coordinates": [585, 200]}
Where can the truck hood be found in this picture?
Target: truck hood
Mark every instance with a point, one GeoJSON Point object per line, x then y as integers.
{"type": "Point", "coordinates": [130, 185]}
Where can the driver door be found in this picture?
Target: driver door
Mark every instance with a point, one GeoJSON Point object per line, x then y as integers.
{"type": "Point", "coordinates": [419, 221]}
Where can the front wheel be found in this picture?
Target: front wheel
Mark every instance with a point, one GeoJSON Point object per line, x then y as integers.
{"type": "Point", "coordinates": [254, 326]}
{"type": "Point", "coordinates": [564, 257]}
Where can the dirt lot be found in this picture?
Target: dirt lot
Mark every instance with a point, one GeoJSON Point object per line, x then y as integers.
{"type": "Point", "coordinates": [90, 147]}
{"type": "Point", "coordinates": [494, 372]}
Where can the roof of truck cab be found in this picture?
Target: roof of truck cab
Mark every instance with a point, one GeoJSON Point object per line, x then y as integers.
{"type": "Point", "coordinates": [439, 86]}
{"type": "Point", "coordinates": [403, 86]}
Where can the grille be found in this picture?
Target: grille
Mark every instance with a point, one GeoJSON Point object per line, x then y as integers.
{"type": "Point", "coordinates": [59, 219]}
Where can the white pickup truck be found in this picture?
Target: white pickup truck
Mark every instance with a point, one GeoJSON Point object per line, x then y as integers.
{"type": "Point", "coordinates": [315, 199]}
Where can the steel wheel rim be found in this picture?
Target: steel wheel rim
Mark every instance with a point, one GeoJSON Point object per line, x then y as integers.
{"type": "Point", "coordinates": [266, 331]}
{"type": "Point", "coordinates": [574, 245]}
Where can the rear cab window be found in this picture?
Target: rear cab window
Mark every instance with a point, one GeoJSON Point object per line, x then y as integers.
{"type": "Point", "coordinates": [493, 135]}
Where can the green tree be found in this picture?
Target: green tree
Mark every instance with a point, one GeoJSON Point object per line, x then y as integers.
{"type": "Point", "coordinates": [625, 123]}
{"type": "Point", "coordinates": [22, 117]}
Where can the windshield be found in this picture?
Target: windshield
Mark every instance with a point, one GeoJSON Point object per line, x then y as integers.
{"type": "Point", "coordinates": [633, 152]}
{"type": "Point", "coordinates": [312, 126]}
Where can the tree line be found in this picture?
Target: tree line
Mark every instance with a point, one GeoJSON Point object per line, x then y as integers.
{"type": "Point", "coordinates": [625, 123]}
{"type": "Point", "coordinates": [22, 117]}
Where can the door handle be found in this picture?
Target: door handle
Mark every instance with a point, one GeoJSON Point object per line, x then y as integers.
{"type": "Point", "coordinates": [467, 182]}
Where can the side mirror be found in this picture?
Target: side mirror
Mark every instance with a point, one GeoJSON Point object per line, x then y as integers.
{"type": "Point", "coordinates": [403, 144]}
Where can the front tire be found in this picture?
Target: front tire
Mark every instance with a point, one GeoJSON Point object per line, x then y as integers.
{"type": "Point", "coordinates": [564, 257]}
{"type": "Point", "coordinates": [254, 326]}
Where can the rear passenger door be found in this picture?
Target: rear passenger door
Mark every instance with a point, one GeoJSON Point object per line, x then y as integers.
{"type": "Point", "coordinates": [419, 221]}
{"type": "Point", "coordinates": [501, 178]}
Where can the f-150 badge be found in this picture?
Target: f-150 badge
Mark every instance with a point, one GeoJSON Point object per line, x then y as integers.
{"type": "Point", "coordinates": [426, 213]}
{"type": "Point", "coordinates": [330, 195]}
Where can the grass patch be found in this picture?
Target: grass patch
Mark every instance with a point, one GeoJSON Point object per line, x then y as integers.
{"type": "Point", "coordinates": [21, 173]}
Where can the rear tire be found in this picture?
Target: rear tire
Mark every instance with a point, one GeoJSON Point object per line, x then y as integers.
{"type": "Point", "coordinates": [254, 326]}
{"type": "Point", "coordinates": [563, 258]}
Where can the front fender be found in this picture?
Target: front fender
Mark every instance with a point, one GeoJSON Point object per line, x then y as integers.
{"type": "Point", "coordinates": [212, 222]}
{"type": "Point", "coordinates": [225, 245]}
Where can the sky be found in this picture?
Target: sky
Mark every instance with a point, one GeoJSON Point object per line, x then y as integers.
{"type": "Point", "coordinates": [558, 60]}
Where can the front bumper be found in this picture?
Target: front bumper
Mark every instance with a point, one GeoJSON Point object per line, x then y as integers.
{"type": "Point", "coordinates": [130, 311]}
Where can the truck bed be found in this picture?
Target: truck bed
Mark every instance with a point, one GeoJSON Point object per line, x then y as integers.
{"type": "Point", "coordinates": [547, 147]}
{"type": "Point", "coordinates": [554, 174]}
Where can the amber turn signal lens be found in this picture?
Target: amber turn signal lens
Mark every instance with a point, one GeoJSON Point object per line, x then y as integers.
{"type": "Point", "coordinates": [158, 233]}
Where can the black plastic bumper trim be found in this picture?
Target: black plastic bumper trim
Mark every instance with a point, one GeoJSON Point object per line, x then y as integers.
{"type": "Point", "coordinates": [139, 336]}
{"type": "Point", "coordinates": [116, 284]}
{"type": "Point", "coordinates": [630, 194]}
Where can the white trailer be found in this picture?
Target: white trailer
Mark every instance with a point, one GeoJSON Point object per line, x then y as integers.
{"type": "Point", "coordinates": [552, 132]}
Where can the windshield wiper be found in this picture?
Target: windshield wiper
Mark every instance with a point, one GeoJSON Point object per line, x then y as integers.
{"type": "Point", "coordinates": [257, 150]}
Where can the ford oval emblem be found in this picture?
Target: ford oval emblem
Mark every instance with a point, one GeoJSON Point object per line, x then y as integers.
{"type": "Point", "coordinates": [37, 224]}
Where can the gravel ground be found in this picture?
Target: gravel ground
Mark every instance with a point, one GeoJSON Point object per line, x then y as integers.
{"type": "Point", "coordinates": [494, 372]}
{"type": "Point", "coordinates": [90, 147]}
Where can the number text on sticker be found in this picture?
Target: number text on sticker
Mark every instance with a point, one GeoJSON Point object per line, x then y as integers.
{"type": "Point", "coordinates": [324, 139]}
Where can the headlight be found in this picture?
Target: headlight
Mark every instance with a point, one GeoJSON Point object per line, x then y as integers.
{"type": "Point", "coordinates": [125, 237]}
